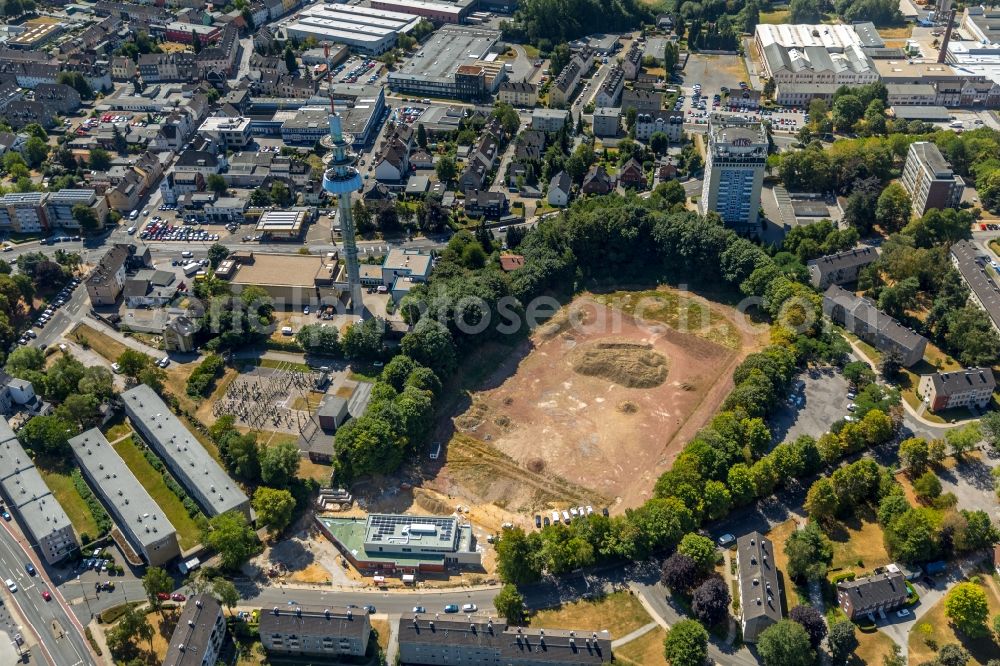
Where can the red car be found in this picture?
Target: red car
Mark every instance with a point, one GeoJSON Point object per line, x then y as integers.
{"type": "Point", "coordinates": [46, 595]}
{"type": "Point", "coordinates": [177, 596]}
{"type": "Point", "coordinates": [163, 596]}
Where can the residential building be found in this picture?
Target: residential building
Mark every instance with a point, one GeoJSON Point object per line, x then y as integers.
{"type": "Point", "coordinates": [313, 632]}
{"type": "Point", "coordinates": [928, 178]}
{"type": "Point", "coordinates": [205, 162]}
{"type": "Point", "coordinates": [183, 454]}
{"type": "Point", "coordinates": [560, 188]}
{"type": "Point", "coordinates": [24, 212]}
{"type": "Point", "coordinates": [983, 291]}
{"type": "Point", "coordinates": [632, 62]}
{"type": "Point", "coordinates": [840, 268]}
{"type": "Point", "coordinates": [435, 640]}
{"type": "Point", "coordinates": [632, 175]}
{"type": "Point", "coordinates": [607, 121]}
{"type": "Point", "coordinates": [760, 599]}
{"type": "Point", "coordinates": [385, 543]}
{"type": "Point", "coordinates": [59, 207]}
{"type": "Point", "coordinates": [643, 101]}
{"type": "Point", "coordinates": [565, 85]}
{"type": "Point", "coordinates": [549, 120]}
{"type": "Point", "coordinates": [199, 634]}
{"type": "Point", "coordinates": [229, 133]}
{"type": "Point", "coordinates": [59, 97]}
{"type": "Point", "coordinates": [597, 181]}
{"type": "Point", "coordinates": [140, 519]}
{"type": "Point", "coordinates": [178, 334]}
{"type": "Point", "coordinates": [872, 595]}
{"type": "Point", "coordinates": [150, 288]}
{"type": "Point", "coordinates": [860, 317]}
{"type": "Point", "coordinates": [734, 171]}
{"type": "Point", "coordinates": [123, 69]}
{"type": "Point", "coordinates": [106, 282]}
{"type": "Point", "coordinates": [31, 500]}
{"type": "Point", "coordinates": [163, 67]}
{"type": "Point", "coordinates": [609, 94]}
{"type": "Point", "coordinates": [519, 93]}
{"type": "Point", "coordinates": [971, 387]}
{"type": "Point", "coordinates": [483, 203]}
{"type": "Point", "coordinates": [671, 123]}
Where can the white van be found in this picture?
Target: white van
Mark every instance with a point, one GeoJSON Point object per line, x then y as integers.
{"type": "Point", "coordinates": [131, 231]}
{"type": "Point", "coordinates": [187, 254]}
{"type": "Point", "coordinates": [286, 330]}
{"type": "Point", "coordinates": [133, 215]}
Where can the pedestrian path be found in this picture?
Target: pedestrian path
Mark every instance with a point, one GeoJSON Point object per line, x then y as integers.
{"type": "Point", "coordinates": [644, 629]}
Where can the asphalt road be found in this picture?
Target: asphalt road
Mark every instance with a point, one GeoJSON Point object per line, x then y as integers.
{"type": "Point", "coordinates": [60, 637]}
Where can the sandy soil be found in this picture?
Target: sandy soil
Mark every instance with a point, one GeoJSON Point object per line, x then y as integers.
{"type": "Point", "coordinates": [594, 433]}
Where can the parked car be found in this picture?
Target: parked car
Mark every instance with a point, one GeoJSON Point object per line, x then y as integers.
{"type": "Point", "coordinates": [450, 608]}
{"type": "Point", "coordinates": [177, 596]}
{"type": "Point", "coordinates": [163, 596]}
{"type": "Point", "coordinates": [726, 540]}
{"type": "Point", "coordinates": [419, 609]}
{"type": "Point", "coordinates": [470, 608]}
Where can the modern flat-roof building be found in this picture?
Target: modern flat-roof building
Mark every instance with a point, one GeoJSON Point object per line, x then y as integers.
{"type": "Point", "coordinates": [760, 601]}
{"type": "Point", "coordinates": [31, 500]}
{"type": "Point", "coordinates": [872, 595]}
{"type": "Point", "coordinates": [367, 29]}
{"type": "Point", "coordinates": [734, 171]}
{"type": "Point", "coordinates": [59, 207]}
{"type": "Point", "coordinates": [434, 640]}
{"type": "Point", "coordinates": [229, 133]}
{"type": "Point", "coordinates": [452, 64]}
{"type": "Point", "coordinates": [385, 543]}
{"type": "Point", "coordinates": [140, 518]}
{"type": "Point", "coordinates": [840, 268]}
{"type": "Point", "coordinates": [315, 632]}
{"type": "Point", "coordinates": [928, 178]}
{"type": "Point", "coordinates": [971, 265]}
{"type": "Point", "coordinates": [24, 212]}
{"type": "Point", "coordinates": [860, 317]}
{"type": "Point", "coordinates": [971, 387]}
{"type": "Point", "coordinates": [291, 280]}
{"type": "Point", "coordinates": [187, 459]}
{"type": "Point", "coordinates": [439, 12]}
{"type": "Point", "coordinates": [199, 634]}
{"type": "Point", "coordinates": [411, 265]}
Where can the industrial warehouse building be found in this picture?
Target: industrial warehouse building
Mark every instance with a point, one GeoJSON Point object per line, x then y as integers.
{"type": "Point", "coordinates": [187, 459]}
{"type": "Point", "coordinates": [455, 64]}
{"type": "Point", "coordinates": [29, 497]}
{"type": "Point", "coordinates": [291, 280]}
{"type": "Point", "coordinates": [139, 518]}
{"type": "Point", "coordinates": [366, 29]}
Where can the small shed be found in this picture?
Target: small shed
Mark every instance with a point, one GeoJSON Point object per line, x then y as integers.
{"type": "Point", "coordinates": [332, 413]}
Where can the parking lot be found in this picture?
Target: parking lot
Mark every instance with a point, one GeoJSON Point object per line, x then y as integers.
{"type": "Point", "coordinates": [817, 401]}
{"type": "Point", "coordinates": [57, 302]}
{"type": "Point", "coordinates": [357, 70]}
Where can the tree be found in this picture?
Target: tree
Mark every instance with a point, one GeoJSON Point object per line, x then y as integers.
{"type": "Point", "coordinates": [912, 536]}
{"type": "Point", "coordinates": [927, 487]}
{"type": "Point", "coordinates": [430, 344]}
{"type": "Point", "coordinates": [517, 557]}
{"type": "Point", "coordinates": [35, 151]}
{"type": "Point", "coordinates": [100, 159]}
{"type": "Point", "coordinates": [24, 359]}
{"type": "Point", "coordinates": [812, 621]}
{"type": "Point", "coordinates": [700, 549]}
{"type": "Point", "coordinates": [362, 217]}
{"type": "Point", "coordinates": [364, 340]}
{"type": "Point", "coordinates": [226, 593]}
{"type": "Point", "coordinates": [132, 362]}
{"type": "Point", "coordinates": [804, 11]}
{"type": "Point", "coordinates": [914, 454]}
{"type": "Point", "coordinates": [319, 339]}
{"type": "Point", "coordinates": [822, 502]}
{"type": "Point", "coordinates": [680, 573]}
{"type": "Point", "coordinates": [510, 604]}
{"type": "Point", "coordinates": [891, 364]}
{"type": "Point", "coordinates": [85, 217]}
{"type": "Point", "coordinates": [842, 641]}
{"type": "Point", "coordinates": [230, 536]}
{"type": "Point", "coordinates": [847, 110]}
{"type": "Point", "coordinates": [990, 426]}
{"type": "Point", "coordinates": [967, 608]}
{"type": "Point", "coordinates": [686, 644]}
{"type": "Point", "coordinates": [48, 436]}
{"type": "Point", "coordinates": [710, 601]}
{"type": "Point", "coordinates": [132, 625]}
{"type": "Point", "coordinates": [279, 464]}
{"type": "Point", "coordinates": [952, 654]}
{"type": "Point", "coordinates": [809, 553]}
{"type": "Point", "coordinates": [659, 142]}
{"type": "Point", "coordinates": [421, 135]}
{"type": "Point", "coordinates": [785, 643]}
{"type": "Point", "coordinates": [156, 581]}
{"type": "Point", "coordinates": [216, 253]}
{"type": "Point", "coordinates": [893, 208]}
{"type": "Point", "coordinates": [964, 439]}
{"type": "Point", "coordinates": [216, 183]}
{"type": "Point", "coordinates": [195, 42]}
{"type": "Point", "coordinates": [274, 508]}
{"type": "Point", "coordinates": [446, 169]}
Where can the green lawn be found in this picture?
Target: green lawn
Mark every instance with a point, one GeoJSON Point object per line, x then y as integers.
{"type": "Point", "coordinates": [61, 485]}
{"type": "Point", "coordinates": [188, 533]}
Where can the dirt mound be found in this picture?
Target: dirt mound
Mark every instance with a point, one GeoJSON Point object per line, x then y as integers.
{"type": "Point", "coordinates": [629, 364]}
{"type": "Point", "coordinates": [628, 407]}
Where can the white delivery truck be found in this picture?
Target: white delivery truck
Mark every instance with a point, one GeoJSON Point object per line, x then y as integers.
{"type": "Point", "coordinates": [191, 268]}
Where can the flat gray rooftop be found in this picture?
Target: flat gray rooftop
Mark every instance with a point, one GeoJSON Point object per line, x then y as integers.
{"type": "Point", "coordinates": [26, 491]}
{"type": "Point", "coordinates": [138, 515]}
{"type": "Point", "coordinates": [182, 452]}
{"type": "Point", "coordinates": [449, 48]}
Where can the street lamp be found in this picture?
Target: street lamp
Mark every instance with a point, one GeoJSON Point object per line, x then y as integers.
{"type": "Point", "coordinates": [85, 598]}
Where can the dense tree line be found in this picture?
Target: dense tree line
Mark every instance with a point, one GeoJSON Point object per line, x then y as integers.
{"type": "Point", "coordinates": [546, 23]}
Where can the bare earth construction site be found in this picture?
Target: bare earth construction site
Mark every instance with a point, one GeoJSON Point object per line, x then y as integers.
{"type": "Point", "coordinates": [605, 397]}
